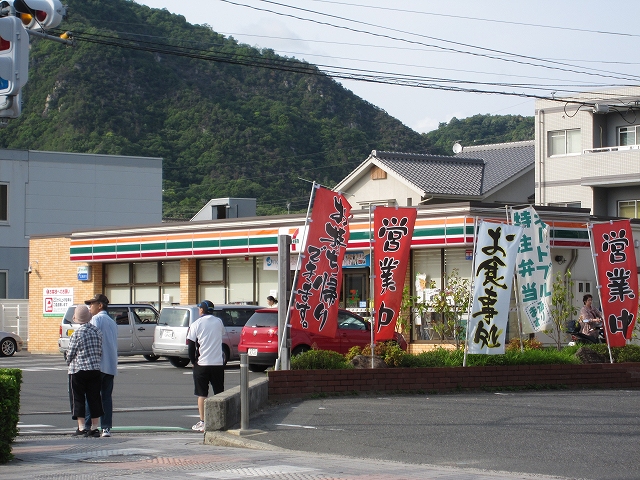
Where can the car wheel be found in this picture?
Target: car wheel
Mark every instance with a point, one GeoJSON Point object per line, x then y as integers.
{"type": "Point", "coordinates": [225, 356]}
{"type": "Point", "coordinates": [257, 368]}
{"type": "Point", "coordinates": [179, 362]}
{"type": "Point", "coordinates": [151, 358]}
{"type": "Point", "coordinates": [7, 347]}
{"type": "Point", "coordinates": [300, 349]}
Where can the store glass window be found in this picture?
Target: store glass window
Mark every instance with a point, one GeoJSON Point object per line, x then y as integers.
{"type": "Point", "coordinates": [267, 280]}
{"type": "Point", "coordinates": [426, 266]}
{"type": "Point", "coordinates": [240, 275]}
{"type": "Point", "coordinates": [146, 272]}
{"type": "Point", "coordinates": [211, 285]}
{"type": "Point", "coordinates": [116, 273]}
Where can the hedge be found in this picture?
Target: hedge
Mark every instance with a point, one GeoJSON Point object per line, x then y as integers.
{"type": "Point", "coordinates": [10, 381]}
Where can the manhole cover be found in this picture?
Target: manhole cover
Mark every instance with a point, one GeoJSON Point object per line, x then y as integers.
{"type": "Point", "coordinates": [119, 458]}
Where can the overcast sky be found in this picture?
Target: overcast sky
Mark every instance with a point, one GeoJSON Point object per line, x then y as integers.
{"type": "Point", "coordinates": [539, 47]}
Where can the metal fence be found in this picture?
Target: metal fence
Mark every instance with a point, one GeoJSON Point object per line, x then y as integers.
{"type": "Point", "coordinates": [14, 317]}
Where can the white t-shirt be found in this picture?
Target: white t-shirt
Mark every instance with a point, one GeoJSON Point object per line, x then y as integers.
{"type": "Point", "coordinates": [207, 331]}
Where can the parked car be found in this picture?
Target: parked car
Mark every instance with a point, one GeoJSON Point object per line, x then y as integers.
{"type": "Point", "coordinates": [259, 337]}
{"type": "Point", "coordinates": [171, 335]}
{"type": "Point", "coordinates": [10, 343]}
{"type": "Point", "coordinates": [136, 326]}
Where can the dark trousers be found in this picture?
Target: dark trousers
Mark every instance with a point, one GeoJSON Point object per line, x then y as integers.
{"type": "Point", "coordinates": [84, 386]}
{"type": "Point", "coordinates": [106, 389]}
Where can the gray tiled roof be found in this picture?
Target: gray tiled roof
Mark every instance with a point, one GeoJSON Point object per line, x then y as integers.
{"type": "Point", "coordinates": [474, 172]}
{"type": "Point", "coordinates": [436, 174]}
{"type": "Point", "coordinates": [502, 160]}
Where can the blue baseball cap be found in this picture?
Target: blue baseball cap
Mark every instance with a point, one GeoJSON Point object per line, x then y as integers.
{"type": "Point", "coordinates": [206, 305]}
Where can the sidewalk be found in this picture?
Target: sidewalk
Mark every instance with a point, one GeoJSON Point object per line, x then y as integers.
{"type": "Point", "coordinates": [174, 455]}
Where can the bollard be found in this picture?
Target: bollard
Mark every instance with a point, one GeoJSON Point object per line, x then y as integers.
{"type": "Point", "coordinates": [244, 392]}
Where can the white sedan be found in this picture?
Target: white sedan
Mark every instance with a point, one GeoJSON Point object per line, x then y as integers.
{"type": "Point", "coordinates": [10, 343]}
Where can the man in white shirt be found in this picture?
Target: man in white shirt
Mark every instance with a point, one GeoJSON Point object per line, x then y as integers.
{"type": "Point", "coordinates": [109, 363]}
{"type": "Point", "coordinates": [205, 352]}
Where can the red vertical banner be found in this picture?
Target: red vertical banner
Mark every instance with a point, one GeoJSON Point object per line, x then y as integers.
{"type": "Point", "coordinates": [617, 277]}
{"type": "Point", "coordinates": [317, 290]}
{"type": "Point", "coordinates": [393, 229]}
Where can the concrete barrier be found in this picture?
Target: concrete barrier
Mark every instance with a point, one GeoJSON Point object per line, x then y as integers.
{"type": "Point", "coordinates": [222, 411]}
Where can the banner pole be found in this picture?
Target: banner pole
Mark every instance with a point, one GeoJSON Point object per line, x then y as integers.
{"type": "Point", "coordinates": [598, 287]}
{"type": "Point", "coordinates": [372, 298]}
{"type": "Point", "coordinates": [516, 284]}
{"type": "Point", "coordinates": [471, 286]}
{"type": "Point", "coordinates": [303, 242]}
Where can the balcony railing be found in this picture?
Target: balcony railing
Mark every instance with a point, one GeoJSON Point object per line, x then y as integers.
{"type": "Point", "coordinates": [618, 148]}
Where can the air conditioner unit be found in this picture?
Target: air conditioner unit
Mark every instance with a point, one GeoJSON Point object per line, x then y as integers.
{"type": "Point", "coordinates": [601, 108]}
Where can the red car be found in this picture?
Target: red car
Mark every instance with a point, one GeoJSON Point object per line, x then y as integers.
{"type": "Point", "coordinates": [259, 337]}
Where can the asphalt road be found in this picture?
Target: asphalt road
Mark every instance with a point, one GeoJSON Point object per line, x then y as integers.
{"type": "Point", "coordinates": [574, 434]}
{"type": "Point", "coordinates": [147, 396]}
{"type": "Point", "coordinates": [577, 434]}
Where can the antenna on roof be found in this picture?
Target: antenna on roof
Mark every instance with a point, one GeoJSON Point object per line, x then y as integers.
{"type": "Point", "coordinates": [457, 148]}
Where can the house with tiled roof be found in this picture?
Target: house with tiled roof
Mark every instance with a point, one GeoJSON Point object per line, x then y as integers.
{"type": "Point", "coordinates": [500, 173]}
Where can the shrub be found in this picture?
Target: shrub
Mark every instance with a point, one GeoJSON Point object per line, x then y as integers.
{"type": "Point", "coordinates": [319, 360]}
{"type": "Point", "coordinates": [529, 344]}
{"type": "Point", "coordinates": [630, 353]}
{"type": "Point", "coordinates": [10, 380]}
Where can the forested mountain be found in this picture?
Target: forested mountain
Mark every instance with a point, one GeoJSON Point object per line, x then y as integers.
{"type": "Point", "coordinates": [480, 130]}
{"type": "Point", "coordinates": [224, 128]}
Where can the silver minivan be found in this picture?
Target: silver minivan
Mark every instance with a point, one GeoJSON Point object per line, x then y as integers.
{"type": "Point", "coordinates": [170, 338]}
{"type": "Point", "coordinates": [136, 326]}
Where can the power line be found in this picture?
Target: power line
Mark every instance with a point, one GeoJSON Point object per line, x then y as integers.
{"type": "Point", "coordinates": [492, 20]}
{"type": "Point", "coordinates": [389, 37]}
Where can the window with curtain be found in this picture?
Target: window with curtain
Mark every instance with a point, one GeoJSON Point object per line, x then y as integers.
{"type": "Point", "coordinates": [564, 142]}
{"type": "Point", "coordinates": [628, 208]}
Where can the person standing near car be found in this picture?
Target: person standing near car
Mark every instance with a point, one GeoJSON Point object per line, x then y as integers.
{"type": "Point", "coordinates": [83, 359]}
{"type": "Point", "coordinates": [109, 363]}
{"type": "Point", "coordinates": [205, 352]}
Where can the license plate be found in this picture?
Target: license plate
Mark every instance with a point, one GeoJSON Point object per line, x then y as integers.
{"type": "Point", "coordinates": [168, 334]}
{"type": "Point", "coordinates": [70, 332]}
{"type": "Point", "coordinates": [252, 352]}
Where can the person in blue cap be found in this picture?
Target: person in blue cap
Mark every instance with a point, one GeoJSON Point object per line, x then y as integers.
{"type": "Point", "coordinates": [205, 352]}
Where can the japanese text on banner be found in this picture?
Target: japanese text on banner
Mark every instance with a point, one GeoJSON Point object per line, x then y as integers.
{"type": "Point", "coordinates": [393, 229]}
{"type": "Point", "coordinates": [496, 249]}
{"type": "Point", "coordinates": [617, 277]}
{"type": "Point", "coordinates": [317, 291]}
{"type": "Point", "coordinates": [533, 269]}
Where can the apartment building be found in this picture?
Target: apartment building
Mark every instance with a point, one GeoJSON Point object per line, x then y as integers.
{"type": "Point", "coordinates": [587, 152]}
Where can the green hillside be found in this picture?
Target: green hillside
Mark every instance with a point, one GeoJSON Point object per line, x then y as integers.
{"type": "Point", "coordinates": [224, 127]}
{"type": "Point", "coordinates": [480, 130]}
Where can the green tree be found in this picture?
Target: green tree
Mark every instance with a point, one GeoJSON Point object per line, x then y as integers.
{"type": "Point", "coordinates": [450, 304]}
{"type": "Point", "coordinates": [562, 309]}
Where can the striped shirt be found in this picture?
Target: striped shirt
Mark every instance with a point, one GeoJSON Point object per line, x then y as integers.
{"type": "Point", "coordinates": [85, 349]}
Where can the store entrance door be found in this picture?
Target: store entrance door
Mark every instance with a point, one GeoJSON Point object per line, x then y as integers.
{"type": "Point", "coordinates": [355, 288]}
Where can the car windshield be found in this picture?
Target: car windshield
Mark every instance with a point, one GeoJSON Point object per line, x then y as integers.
{"type": "Point", "coordinates": [263, 320]}
{"type": "Point", "coordinates": [174, 317]}
{"type": "Point", "coordinates": [68, 317]}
